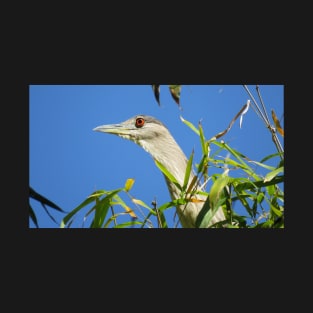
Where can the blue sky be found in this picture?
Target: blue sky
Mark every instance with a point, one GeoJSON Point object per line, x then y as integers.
{"type": "Point", "coordinates": [68, 160]}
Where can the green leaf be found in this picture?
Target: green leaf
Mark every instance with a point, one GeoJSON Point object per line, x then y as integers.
{"type": "Point", "coordinates": [207, 212]}
{"type": "Point", "coordinates": [204, 144]}
{"type": "Point", "coordinates": [271, 156]}
{"type": "Point", "coordinates": [239, 157]}
{"type": "Point", "coordinates": [276, 211]}
{"type": "Point", "coordinates": [72, 213]}
{"type": "Point", "coordinates": [188, 171]}
{"type": "Point", "coordinates": [213, 202]}
{"type": "Point", "coordinates": [102, 209]}
{"type": "Point", "coordinates": [167, 174]}
{"type": "Point", "coordinates": [190, 125]}
{"type": "Point", "coordinates": [247, 184]}
{"type": "Point", "coordinates": [218, 187]}
{"type": "Point", "coordinates": [93, 197]}
{"type": "Point", "coordinates": [127, 224]}
{"type": "Point", "coordinates": [271, 175]}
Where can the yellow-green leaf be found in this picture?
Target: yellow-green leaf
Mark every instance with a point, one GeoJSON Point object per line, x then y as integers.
{"type": "Point", "coordinates": [188, 171]}
{"type": "Point", "coordinates": [217, 188]}
{"type": "Point", "coordinates": [167, 174]}
{"type": "Point", "coordinates": [130, 211]}
{"type": "Point", "coordinates": [129, 184]}
{"type": "Point", "coordinates": [139, 202]}
{"type": "Point", "coordinates": [190, 125]}
{"type": "Point", "coordinates": [269, 176]}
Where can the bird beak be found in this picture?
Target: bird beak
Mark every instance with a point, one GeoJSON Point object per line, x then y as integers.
{"type": "Point", "coordinates": [116, 129]}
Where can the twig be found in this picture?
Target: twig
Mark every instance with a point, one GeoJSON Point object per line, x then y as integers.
{"type": "Point", "coordinates": [265, 119]}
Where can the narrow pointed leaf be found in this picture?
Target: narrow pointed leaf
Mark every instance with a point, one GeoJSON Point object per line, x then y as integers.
{"type": "Point", "coordinates": [167, 174]}
{"type": "Point", "coordinates": [129, 211]}
{"type": "Point", "coordinates": [141, 203]}
{"type": "Point", "coordinates": [246, 108]}
{"type": "Point", "coordinates": [269, 176]}
{"type": "Point", "coordinates": [44, 201]}
{"type": "Point", "coordinates": [204, 145]}
{"type": "Point", "coordinates": [127, 224]}
{"type": "Point", "coordinates": [129, 184]}
{"type": "Point", "coordinates": [175, 92]}
{"type": "Point", "coordinates": [102, 209]}
{"type": "Point", "coordinates": [73, 212]}
{"type": "Point", "coordinates": [190, 125]}
{"type": "Point", "coordinates": [242, 111]}
{"type": "Point", "coordinates": [33, 216]}
{"type": "Point", "coordinates": [277, 124]}
{"type": "Point", "coordinates": [188, 171]}
{"type": "Point", "coordinates": [156, 91]}
{"type": "Point", "coordinates": [207, 212]}
{"type": "Point", "coordinates": [124, 205]}
{"type": "Point", "coordinates": [218, 187]}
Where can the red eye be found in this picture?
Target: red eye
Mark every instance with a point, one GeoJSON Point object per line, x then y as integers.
{"type": "Point", "coordinates": [139, 122]}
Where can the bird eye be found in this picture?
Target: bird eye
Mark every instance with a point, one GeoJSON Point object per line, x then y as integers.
{"type": "Point", "coordinates": [139, 122]}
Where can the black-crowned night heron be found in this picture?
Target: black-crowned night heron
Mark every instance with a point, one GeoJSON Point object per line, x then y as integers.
{"type": "Point", "coordinates": [153, 136]}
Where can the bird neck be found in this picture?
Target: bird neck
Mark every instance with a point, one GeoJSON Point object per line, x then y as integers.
{"type": "Point", "coordinates": [169, 154]}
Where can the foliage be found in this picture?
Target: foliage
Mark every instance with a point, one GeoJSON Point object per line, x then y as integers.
{"type": "Point", "coordinates": [44, 202]}
{"type": "Point", "coordinates": [262, 197]}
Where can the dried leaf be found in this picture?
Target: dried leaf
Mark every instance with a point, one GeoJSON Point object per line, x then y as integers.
{"type": "Point", "coordinates": [175, 92]}
{"type": "Point", "coordinates": [156, 91]}
{"type": "Point", "coordinates": [277, 124]}
{"type": "Point", "coordinates": [130, 211]}
{"type": "Point", "coordinates": [244, 112]}
{"type": "Point", "coordinates": [240, 113]}
{"type": "Point", "coordinates": [195, 200]}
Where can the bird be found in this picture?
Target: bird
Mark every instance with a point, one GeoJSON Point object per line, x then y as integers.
{"type": "Point", "coordinates": [155, 138]}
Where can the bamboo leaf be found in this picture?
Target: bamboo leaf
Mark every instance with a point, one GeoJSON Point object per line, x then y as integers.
{"type": "Point", "coordinates": [102, 209]}
{"type": "Point", "coordinates": [190, 125]}
{"type": "Point", "coordinates": [277, 123]}
{"type": "Point", "coordinates": [129, 184]}
{"type": "Point", "coordinates": [246, 108]}
{"type": "Point", "coordinates": [207, 212]}
{"type": "Point", "coordinates": [238, 156]}
{"type": "Point", "coordinates": [141, 203]}
{"type": "Point", "coordinates": [156, 91]}
{"type": "Point", "coordinates": [204, 145]}
{"type": "Point", "coordinates": [73, 212]}
{"type": "Point", "coordinates": [33, 216]}
{"type": "Point", "coordinates": [240, 113]}
{"type": "Point", "coordinates": [127, 224]}
{"type": "Point", "coordinates": [218, 187]}
{"type": "Point", "coordinates": [269, 176]}
{"type": "Point", "coordinates": [124, 205]}
{"type": "Point", "coordinates": [259, 183]}
{"type": "Point", "coordinates": [188, 171]}
{"type": "Point", "coordinates": [167, 174]}
{"type": "Point", "coordinates": [175, 92]}
{"type": "Point", "coordinates": [44, 201]}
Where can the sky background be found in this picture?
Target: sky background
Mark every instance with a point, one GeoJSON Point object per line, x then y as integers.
{"type": "Point", "coordinates": [68, 160]}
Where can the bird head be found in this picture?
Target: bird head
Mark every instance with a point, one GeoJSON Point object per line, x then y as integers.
{"type": "Point", "coordinates": [144, 130]}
